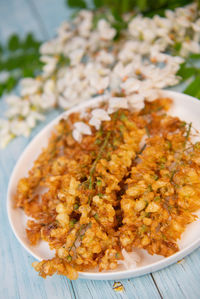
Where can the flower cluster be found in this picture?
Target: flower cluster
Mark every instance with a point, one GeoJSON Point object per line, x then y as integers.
{"type": "Point", "coordinates": [98, 114]}
{"type": "Point", "coordinates": [86, 60]}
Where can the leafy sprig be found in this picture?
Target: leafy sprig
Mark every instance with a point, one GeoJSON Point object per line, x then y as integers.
{"type": "Point", "coordinates": [120, 7]}
{"type": "Point", "coordinates": [92, 170]}
{"type": "Point", "coordinates": [190, 70]}
{"type": "Point", "coordinates": [103, 8]}
{"type": "Point", "coordinates": [19, 58]}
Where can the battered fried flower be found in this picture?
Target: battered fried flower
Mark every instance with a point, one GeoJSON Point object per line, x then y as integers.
{"type": "Point", "coordinates": [133, 183]}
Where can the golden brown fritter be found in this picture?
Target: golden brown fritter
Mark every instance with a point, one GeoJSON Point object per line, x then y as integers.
{"type": "Point", "coordinates": [133, 183]}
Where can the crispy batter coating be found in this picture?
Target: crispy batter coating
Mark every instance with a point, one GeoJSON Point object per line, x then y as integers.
{"type": "Point", "coordinates": [133, 183]}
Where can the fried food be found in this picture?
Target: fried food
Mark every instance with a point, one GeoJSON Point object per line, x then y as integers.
{"type": "Point", "coordinates": [133, 183]}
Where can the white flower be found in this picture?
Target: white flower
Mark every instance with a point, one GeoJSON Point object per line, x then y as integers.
{"type": "Point", "coordinates": [92, 69]}
{"type": "Point", "coordinates": [157, 56]}
{"type": "Point", "coordinates": [190, 47]}
{"type": "Point", "coordinates": [137, 65]}
{"type": "Point", "coordinates": [124, 71]}
{"type": "Point", "coordinates": [63, 103]}
{"type": "Point", "coordinates": [116, 103]}
{"type": "Point", "coordinates": [196, 25]}
{"type": "Point", "coordinates": [142, 28]}
{"type": "Point", "coordinates": [98, 115]}
{"type": "Point", "coordinates": [170, 15]}
{"type": "Point", "coordinates": [131, 259]}
{"type": "Point", "coordinates": [105, 57]}
{"type": "Point", "coordinates": [80, 128]}
{"type": "Point", "coordinates": [150, 94]}
{"type": "Point", "coordinates": [76, 56]}
{"type": "Point", "coordinates": [33, 117]}
{"type": "Point", "coordinates": [17, 107]}
{"type": "Point", "coordinates": [114, 82]}
{"type": "Point", "coordinates": [13, 100]}
{"type": "Point", "coordinates": [4, 126]}
{"type": "Point", "coordinates": [162, 24]}
{"type": "Point", "coordinates": [5, 139]}
{"type": "Point", "coordinates": [29, 86]}
{"type": "Point", "coordinates": [131, 85]}
{"type": "Point", "coordinates": [85, 22]}
{"type": "Point", "coordinates": [50, 64]}
{"type": "Point", "coordinates": [106, 32]}
{"type": "Point", "coordinates": [19, 127]}
{"type": "Point", "coordinates": [99, 83]}
{"type": "Point", "coordinates": [129, 50]}
{"type": "Point", "coordinates": [183, 21]}
{"type": "Point", "coordinates": [49, 86]}
{"type": "Point", "coordinates": [47, 101]}
{"type": "Point", "coordinates": [48, 98]}
{"type": "Point", "coordinates": [76, 42]}
{"type": "Point", "coordinates": [136, 101]}
{"type": "Point", "coordinates": [50, 47]}
{"type": "Point", "coordinates": [64, 33]}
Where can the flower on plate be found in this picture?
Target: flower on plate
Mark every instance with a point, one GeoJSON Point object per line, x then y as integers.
{"type": "Point", "coordinates": [84, 61]}
{"type": "Point", "coordinates": [98, 115]}
{"type": "Point", "coordinates": [80, 128]}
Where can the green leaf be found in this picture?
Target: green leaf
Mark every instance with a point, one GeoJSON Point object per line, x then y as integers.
{"type": "Point", "coordinates": [143, 5]}
{"type": "Point", "coordinates": [149, 8]}
{"type": "Point", "coordinates": [77, 3]}
{"type": "Point", "coordinates": [21, 58]}
{"type": "Point", "coordinates": [13, 42]}
{"type": "Point", "coordinates": [198, 95]}
{"type": "Point", "coordinates": [1, 49]}
{"type": "Point", "coordinates": [194, 56]}
{"type": "Point", "coordinates": [10, 83]}
{"type": "Point", "coordinates": [63, 61]}
{"type": "Point", "coordinates": [193, 88]}
{"type": "Point", "coordinates": [30, 42]}
{"type": "Point", "coordinates": [28, 72]}
{"type": "Point", "coordinates": [2, 89]}
{"type": "Point", "coordinates": [177, 46]}
{"type": "Point", "coordinates": [125, 6]}
{"type": "Point", "coordinates": [186, 72]}
{"type": "Point", "coordinates": [98, 3]}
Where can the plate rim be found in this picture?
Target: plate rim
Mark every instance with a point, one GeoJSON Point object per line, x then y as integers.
{"type": "Point", "coordinates": [135, 272]}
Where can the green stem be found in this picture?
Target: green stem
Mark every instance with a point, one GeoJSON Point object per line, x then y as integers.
{"type": "Point", "coordinates": [77, 235]}
{"type": "Point", "coordinates": [188, 134]}
{"type": "Point", "coordinates": [92, 170]}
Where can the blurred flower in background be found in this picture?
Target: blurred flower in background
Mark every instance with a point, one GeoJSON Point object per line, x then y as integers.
{"type": "Point", "coordinates": [127, 50]}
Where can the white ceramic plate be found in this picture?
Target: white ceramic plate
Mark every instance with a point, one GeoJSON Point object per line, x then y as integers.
{"type": "Point", "coordinates": [185, 107]}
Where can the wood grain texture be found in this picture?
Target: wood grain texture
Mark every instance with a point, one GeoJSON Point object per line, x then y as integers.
{"type": "Point", "coordinates": [51, 13]}
{"type": "Point", "coordinates": [16, 17]}
{"type": "Point", "coordinates": [141, 287]}
{"type": "Point", "coordinates": [17, 278]}
{"type": "Point", "coordinates": [181, 280]}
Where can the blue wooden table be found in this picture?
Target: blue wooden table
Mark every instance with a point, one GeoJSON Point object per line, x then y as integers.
{"type": "Point", "coordinates": [17, 277]}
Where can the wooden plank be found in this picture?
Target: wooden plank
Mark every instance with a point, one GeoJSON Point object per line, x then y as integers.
{"type": "Point", "coordinates": [36, 15]}
{"type": "Point", "coordinates": [52, 17]}
{"type": "Point", "coordinates": [52, 14]}
{"type": "Point", "coordinates": [19, 274]}
{"type": "Point", "coordinates": [141, 287]}
{"type": "Point", "coordinates": [16, 17]}
{"type": "Point", "coordinates": [181, 280]}
{"type": "Point", "coordinates": [18, 278]}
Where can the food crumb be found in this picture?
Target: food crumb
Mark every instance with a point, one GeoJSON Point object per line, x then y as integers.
{"type": "Point", "coordinates": [118, 286]}
{"type": "Point", "coordinates": [182, 261]}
